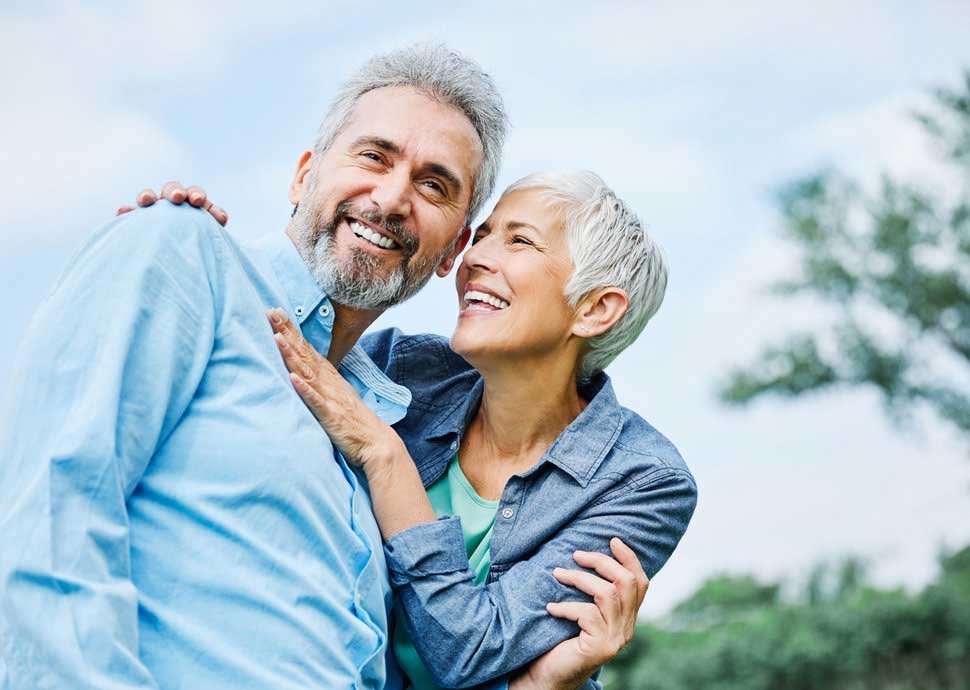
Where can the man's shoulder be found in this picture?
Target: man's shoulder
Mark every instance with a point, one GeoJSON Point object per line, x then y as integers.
{"type": "Point", "coordinates": [166, 228]}
{"type": "Point", "coordinates": [163, 241]}
{"type": "Point", "coordinates": [424, 363]}
{"type": "Point", "coordinates": [179, 233]}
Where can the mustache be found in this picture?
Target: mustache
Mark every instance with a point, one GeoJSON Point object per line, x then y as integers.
{"type": "Point", "coordinates": [392, 226]}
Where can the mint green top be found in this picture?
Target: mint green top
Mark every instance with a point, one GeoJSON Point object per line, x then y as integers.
{"type": "Point", "coordinates": [451, 495]}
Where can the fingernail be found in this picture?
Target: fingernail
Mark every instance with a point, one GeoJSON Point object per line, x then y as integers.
{"type": "Point", "coordinates": [196, 198]}
{"type": "Point", "coordinates": [281, 342]}
{"type": "Point", "coordinates": [274, 317]}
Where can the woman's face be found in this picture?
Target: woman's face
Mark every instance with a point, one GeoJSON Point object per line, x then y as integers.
{"type": "Point", "coordinates": [511, 284]}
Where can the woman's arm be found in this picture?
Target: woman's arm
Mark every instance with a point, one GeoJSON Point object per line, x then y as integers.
{"type": "Point", "coordinates": [397, 493]}
{"type": "Point", "coordinates": [465, 632]}
{"type": "Point", "coordinates": [468, 633]}
{"type": "Point", "coordinates": [605, 625]}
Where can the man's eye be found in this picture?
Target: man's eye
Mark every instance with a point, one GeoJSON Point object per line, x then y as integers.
{"type": "Point", "coordinates": [431, 184]}
{"type": "Point", "coordinates": [376, 157]}
{"type": "Point", "coordinates": [477, 237]}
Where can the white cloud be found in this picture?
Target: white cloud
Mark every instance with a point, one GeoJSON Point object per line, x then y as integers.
{"type": "Point", "coordinates": [877, 138]}
{"type": "Point", "coordinates": [73, 136]}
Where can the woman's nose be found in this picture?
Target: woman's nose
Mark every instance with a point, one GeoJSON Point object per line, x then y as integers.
{"type": "Point", "coordinates": [481, 255]}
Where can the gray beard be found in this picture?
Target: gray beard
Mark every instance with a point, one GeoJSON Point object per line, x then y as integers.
{"type": "Point", "coordinates": [357, 281]}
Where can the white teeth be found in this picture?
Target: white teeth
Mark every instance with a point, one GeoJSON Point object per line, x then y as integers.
{"type": "Point", "coordinates": [371, 236]}
{"type": "Point", "coordinates": [476, 296]}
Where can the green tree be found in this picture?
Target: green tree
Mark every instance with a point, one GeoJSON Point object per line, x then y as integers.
{"type": "Point", "coordinates": [851, 637]}
{"type": "Point", "coordinates": [896, 268]}
{"type": "Point", "coordinates": [724, 597]}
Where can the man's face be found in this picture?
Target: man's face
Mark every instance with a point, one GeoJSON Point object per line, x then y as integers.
{"type": "Point", "coordinates": [386, 204]}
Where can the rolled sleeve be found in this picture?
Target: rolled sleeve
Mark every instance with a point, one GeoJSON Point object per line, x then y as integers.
{"type": "Point", "coordinates": [433, 548]}
{"type": "Point", "coordinates": [468, 634]}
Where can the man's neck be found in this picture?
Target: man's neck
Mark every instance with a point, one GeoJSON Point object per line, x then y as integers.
{"type": "Point", "coordinates": [348, 325]}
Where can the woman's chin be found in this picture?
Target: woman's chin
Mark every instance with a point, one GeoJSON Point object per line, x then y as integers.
{"type": "Point", "coordinates": [472, 344]}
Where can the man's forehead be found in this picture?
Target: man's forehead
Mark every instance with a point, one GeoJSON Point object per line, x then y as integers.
{"type": "Point", "coordinates": [414, 123]}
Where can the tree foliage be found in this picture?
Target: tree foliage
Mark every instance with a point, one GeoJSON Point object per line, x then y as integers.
{"type": "Point", "coordinates": [895, 266]}
{"type": "Point", "coordinates": [844, 635]}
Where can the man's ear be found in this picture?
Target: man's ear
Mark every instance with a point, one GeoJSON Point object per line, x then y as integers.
{"type": "Point", "coordinates": [298, 185]}
{"type": "Point", "coordinates": [444, 268]}
{"type": "Point", "coordinates": [599, 311]}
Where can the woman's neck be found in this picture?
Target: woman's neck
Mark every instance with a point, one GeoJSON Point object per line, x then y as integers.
{"type": "Point", "coordinates": [525, 406]}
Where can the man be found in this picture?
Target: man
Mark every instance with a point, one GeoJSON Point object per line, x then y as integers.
{"type": "Point", "coordinates": [171, 514]}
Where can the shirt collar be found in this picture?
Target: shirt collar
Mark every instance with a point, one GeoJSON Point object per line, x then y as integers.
{"type": "Point", "coordinates": [582, 445]}
{"type": "Point", "coordinates": [305, 295]}
{"type": "Point", "coordinates": [291, 270]}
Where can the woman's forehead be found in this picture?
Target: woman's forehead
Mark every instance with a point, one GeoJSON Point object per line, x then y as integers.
{"type": "Point", "coordinates": [526, 207]}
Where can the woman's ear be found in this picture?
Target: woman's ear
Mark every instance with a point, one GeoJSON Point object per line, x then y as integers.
{"type": "Point", "coordinates": [298, 185]}
{"type": "Point", "coordinates": [599, 311]}
{"type": "Point", "coordinates": [444, 268]}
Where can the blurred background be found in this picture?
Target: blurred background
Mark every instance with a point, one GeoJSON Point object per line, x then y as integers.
{"type": "Point", "coordinates": [806, 167]}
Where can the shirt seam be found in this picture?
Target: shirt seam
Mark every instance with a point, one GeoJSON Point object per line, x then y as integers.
{"type": "Point", "coordinates": [647, 481]}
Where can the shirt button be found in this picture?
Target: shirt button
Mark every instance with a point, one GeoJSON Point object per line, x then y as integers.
{"type": "Point", "coordinates": [507, 513]}
{"type": "Point", "coordinates": [454, 445]}
{"type": "Point", "coordinates": [299, 311]}
{"type": "Point", "coordinates": [324, 311]}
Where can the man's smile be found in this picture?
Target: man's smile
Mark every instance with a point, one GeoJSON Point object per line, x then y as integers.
{"type": "Point", "coordinates": [371, 236]}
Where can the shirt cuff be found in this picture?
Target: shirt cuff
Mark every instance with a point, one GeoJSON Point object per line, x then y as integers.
{"type": "Point", "coordinates": [431, 548]}
{"type": "Point", "coordinates": [497, 684]}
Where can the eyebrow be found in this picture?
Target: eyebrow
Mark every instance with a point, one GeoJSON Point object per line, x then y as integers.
{"type": "Point", "coordinates": [444, 173]}
{"type": "Point", "coordinates": [511, 225]}
{"type": "Point", "coordinates": [378, 143]}
{"type": "Point", "coordinates": [388, 146]}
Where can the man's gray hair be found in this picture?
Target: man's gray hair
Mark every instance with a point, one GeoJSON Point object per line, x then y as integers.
{"type": "Point", "coordinates": [443, 74]}
{"type": "Point", "coordinates": [609, 247]}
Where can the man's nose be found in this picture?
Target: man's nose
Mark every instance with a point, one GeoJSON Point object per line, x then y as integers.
{"type": "Point", "coordinates": [392, 194]}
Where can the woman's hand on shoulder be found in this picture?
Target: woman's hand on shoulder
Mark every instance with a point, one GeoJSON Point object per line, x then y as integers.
{"type": "Point", "coordinates": [605, 625]}
{"type": "Point", "coordinates": [174, 191]}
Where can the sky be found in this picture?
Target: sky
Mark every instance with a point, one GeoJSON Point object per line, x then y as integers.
{"type": "Point", "coordinates": [695, 112]}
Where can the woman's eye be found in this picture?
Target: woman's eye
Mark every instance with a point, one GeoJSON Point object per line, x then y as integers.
{"type": "Point", "coordinates": [518, 239]}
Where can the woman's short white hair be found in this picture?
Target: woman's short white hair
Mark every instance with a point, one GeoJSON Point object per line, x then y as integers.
{"type": "Point", "coordinates": [443, 74]}
{"type": "Point", "coordinates": [610, 248]}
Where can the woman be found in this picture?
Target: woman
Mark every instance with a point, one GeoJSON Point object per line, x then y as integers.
{"type": "Point", "coordinates": [515, 431]}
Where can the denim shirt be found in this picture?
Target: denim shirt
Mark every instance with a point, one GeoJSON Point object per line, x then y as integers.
{"type": "Point", "coordinates": [608, 474]}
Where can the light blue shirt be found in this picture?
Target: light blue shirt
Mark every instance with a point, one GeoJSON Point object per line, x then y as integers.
{"type": "Point", "coordinates": [171, 514]}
